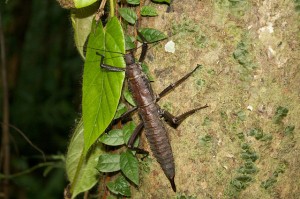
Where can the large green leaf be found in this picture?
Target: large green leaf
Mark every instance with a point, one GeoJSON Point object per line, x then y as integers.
{"type": "Point", "coordinates": [80, 169]}
{"type": "Point", "coordinates": [102, 88]}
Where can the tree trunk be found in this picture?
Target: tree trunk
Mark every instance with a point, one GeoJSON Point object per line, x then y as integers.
{"type": "Point", "coordinates": [235, 148]}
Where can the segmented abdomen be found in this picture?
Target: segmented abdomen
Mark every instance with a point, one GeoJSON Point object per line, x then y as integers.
{"type": "Point", "coordinates": [158, 139]}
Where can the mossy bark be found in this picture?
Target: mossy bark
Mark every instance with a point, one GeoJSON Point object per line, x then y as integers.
{"type": "Point", "coordinates": [249, 52]}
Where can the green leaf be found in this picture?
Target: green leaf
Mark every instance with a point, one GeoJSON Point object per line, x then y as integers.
{"type": "Point", "coordinates": [152, 35]}
{"type": "Point", "coordinates": [128, 14]}
{"type": "Point", "coordinates": [133, 2]}
{"type": "Point", "coordinates": [128, 97]}
{"type": "Point", "coordinates": [108, 163]}
{"type": "Point", "coordinates": [129, 166]}
{"type": "Point", "coordinates": [148, 11]}
{"type": "Point", "coordinates": [120, 186]}
{"type": "Point", "coordinates": [112, 138]}
{"type": "Point", "coordinates": [129, 42]}
{"type": "Point", "coordinates": [80, 169]}
{"type": "Point", "coordinates": [81, 22]}
{"type": "Point", "coordinates": [83, 3]}
{"type": "Point", "coordinates": [161, 1]}
{"type": "Point", "coordinates": [120, 110]}
{"type": "Point", "coordinates": [101, 88]}
{"type": "Point", "coordinates": [128, 130]}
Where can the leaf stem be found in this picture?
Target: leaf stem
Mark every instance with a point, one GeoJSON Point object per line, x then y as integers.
{"type": "Point", "coordinates": [112, 8]}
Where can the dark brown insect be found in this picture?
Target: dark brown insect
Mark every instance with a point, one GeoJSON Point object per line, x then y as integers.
{"type": "Point", "coordinates": [151, 113]}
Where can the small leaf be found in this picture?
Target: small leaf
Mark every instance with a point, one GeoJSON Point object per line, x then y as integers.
{"type": "Point", "coordinates": [120, 186]}
{"type": "Point", "coordinates": [120, 110]}
{"type": "Point", "coordinates": [148, 11]}
{"type": "Point", "coordinates": [152, 35]}
{"type": "Point", "coordinates": [129, 42]}
{"type": "Point", "coordinates": [129, 166]}
{"type": "Point", "coordinates": [108, 163]}
{"type": "Point", "coordinates": [113, 138]}
{"type": "Point", "coordinates": [128, 97]}
{"type": "Point", "coordinates": [128, 14]}
{"type": "Point", "coordinates": [133, 2]}
{"type": "Point", "coordinates": [162, 1]}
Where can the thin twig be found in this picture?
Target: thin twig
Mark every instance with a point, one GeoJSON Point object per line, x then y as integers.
{"type": "Point", "coordinates": [100, 11]}
{"type": "Point", "coordinates": [27, 140]}
{"type": "Point", "coordinates": [5, 129]}
{"type": "Point", "coordinates": [40, 165]}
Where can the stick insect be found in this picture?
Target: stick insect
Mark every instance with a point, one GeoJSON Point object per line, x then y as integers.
{"type": "Point", "coordinates": [150, 112]}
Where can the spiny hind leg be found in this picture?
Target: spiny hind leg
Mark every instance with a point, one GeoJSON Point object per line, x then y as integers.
{"type": "Point", "coordinates": [132, 139]}
{"type": "Point", "coordinates": [173, 85]}
{"type": "Point", "coordinates": [175, 121]}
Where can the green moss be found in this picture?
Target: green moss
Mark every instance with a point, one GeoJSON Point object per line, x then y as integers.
{"type": "Point", "coordinates": [260, 135]}
{"type": "Point", "coordinates": [245, 173]}
{"type": "Point", "coordinates": [241, 115]}
{"type": "Point", "coordinates": [273, 178]}
{"type": "Point", "coordinates": [248, 168]}
{"type": "Point", "coordinates": [201, 40]}
{"type": "Point", "coordinates": [281, 112]}
{"type": "Point", "coordinates": [289, 130]}
{"type": "Point", "coordinates": [205, 140]}
{"type": "Point", "coordinates": [244, 57]}
{"type": "Point", "coordinates": [206, 121]}
{"type": "Point", "coordinates": [200, 82]}
{"type": "Point", "coordinates": [185, 25]}
{"type": "Point", "coordinates": [297, 5]}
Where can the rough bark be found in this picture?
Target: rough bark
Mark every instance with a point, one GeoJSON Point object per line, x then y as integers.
{"type": "Point", "coordinates": [250, 56]}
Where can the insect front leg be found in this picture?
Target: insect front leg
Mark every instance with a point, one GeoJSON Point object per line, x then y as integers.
{"type": "Point", "coordinates": [144, 47]}
{"type": "Point", "coordinates": [132, 139]}
{"type": "Point", "coordinates": [134, 135]}
{"type": "Point", "coordinates": [175, 121]}
{"type": "Point", "coordinates": [109, 67]}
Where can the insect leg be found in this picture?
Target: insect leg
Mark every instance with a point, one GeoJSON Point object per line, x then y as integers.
{"type": "Point", "coordinates": [173, 85]}
{"type": "Point", "coordinates": [125, 115]}
{"type": "Point", "coordinates": [108, 67]}
{"type": "Point", "coordinates": [144, 47]}
{"type": "Point", "coordinates": [135, 133]}
{"type": "Point", "coordinates": [176, 121]}
{"type": "Point", "coordinates": [133, 137]}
